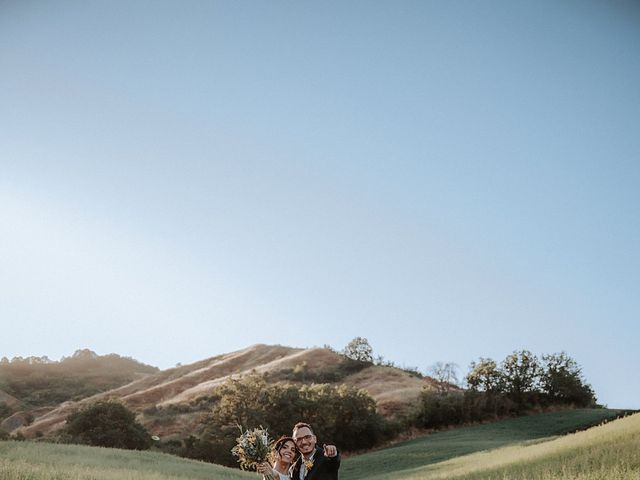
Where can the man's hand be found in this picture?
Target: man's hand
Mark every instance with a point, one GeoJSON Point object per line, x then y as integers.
{"type": "Point", "coordinates": [330, 450]}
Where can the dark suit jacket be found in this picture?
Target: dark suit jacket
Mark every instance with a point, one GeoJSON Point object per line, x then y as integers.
{"type": "Point", "coordinates": [324, 468]}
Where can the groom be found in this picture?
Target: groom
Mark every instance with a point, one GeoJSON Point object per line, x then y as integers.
{"type": "Point", "coordinates": [315, 463]}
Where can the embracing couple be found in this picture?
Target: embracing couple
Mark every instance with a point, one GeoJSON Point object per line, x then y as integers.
{"type": "Point", "coordinates": [298, 457]}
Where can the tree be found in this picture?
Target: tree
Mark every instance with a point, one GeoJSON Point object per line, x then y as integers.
{"type": "Point", "coordinates": [446, 374]}
{"type": "Point", "coordinates": [359, 349]}
{"type": "Point", "coordinates": [484, 376]}
{"type": "Point", "coordinates": [107, 424]}
{"type": "Point", "coordinates": [521, 373]}
{"type": "Point", "coordinates": [562, 381]}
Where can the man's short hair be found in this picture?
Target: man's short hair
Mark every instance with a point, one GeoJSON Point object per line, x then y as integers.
{"type": "Point", "coordinates": [300, 425]}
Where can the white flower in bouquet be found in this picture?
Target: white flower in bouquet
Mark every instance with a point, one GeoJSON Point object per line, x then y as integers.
{"type": "Point", "coordinates": [252, 448]}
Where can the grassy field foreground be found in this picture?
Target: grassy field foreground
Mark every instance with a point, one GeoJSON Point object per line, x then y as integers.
{"type": "Point", "coordinates": [437, 447]}
{"type": "Point", "coordinates": [605, 452]}
{"type": "Point", "coordinates": [43, 461]}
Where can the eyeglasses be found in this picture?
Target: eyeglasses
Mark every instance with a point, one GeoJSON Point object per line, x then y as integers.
{"type": "Point", "coordinates": [306, 438]}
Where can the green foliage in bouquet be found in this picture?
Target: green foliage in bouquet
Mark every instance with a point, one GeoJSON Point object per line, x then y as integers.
{"type": "Point", "coordinates": [252, 448]}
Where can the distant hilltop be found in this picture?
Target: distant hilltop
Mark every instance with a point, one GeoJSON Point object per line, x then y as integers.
{"type": "Point", "coordinates": [32, 386]}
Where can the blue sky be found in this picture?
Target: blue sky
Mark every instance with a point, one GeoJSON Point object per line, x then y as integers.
{"type": "Point", "coordinates": [447, 179]}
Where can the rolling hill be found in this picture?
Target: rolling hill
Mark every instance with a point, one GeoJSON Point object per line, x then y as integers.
{"type": "Point", "coordinates": [32, 386]}
{"type": "Point", "coordinates": [183, 391]}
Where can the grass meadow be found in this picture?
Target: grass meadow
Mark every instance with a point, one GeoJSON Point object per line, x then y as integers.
{"type": "Point", "coordinates": [606, 452]}
{"type": "Point", "coordinates": [43, 461]}
{"type": "Point", "coordinates": [398, 461]}
{"type": "Point", "coordinates": [531, 448]}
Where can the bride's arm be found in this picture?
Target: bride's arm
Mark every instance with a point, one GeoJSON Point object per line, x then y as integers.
{"type": "Point", "coordinates": [267, 472]}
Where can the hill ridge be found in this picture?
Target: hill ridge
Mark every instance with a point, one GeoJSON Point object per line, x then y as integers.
{"type": "Point", "coordinates": [392, 388]}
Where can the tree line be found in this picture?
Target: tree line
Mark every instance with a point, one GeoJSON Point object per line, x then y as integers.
{"type": "Point", "coordinates": [520, 383]}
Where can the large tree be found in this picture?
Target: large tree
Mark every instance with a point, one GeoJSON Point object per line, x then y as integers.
{"type": "Point", "coordinates": [521, 373]}
{"type": "Point", "coordinates": [562, 381]}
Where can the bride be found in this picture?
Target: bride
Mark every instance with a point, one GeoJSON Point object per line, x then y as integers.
{"type": "Point", "coordinates": [284, 454]}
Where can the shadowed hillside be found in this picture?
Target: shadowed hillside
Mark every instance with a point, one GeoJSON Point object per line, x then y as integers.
{"type": "Point", "coordinates": [33, 386]}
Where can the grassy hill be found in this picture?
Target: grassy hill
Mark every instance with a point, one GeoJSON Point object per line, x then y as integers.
{"type": "Point", "coordinates": [607, 452]}
{"type": "Point", "coordinates": [40, 382]}
{"type": "Point", "coordinates": [42, 461]}
{"type": "Point", "coordinates": [31, 387]}
{"type": "Point", "coordinates": [171, 402]}
{"type": "Point", "coordinates": [400, 460]}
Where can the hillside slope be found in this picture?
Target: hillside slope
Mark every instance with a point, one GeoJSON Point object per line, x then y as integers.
{"type": "Point", "coordinates": [42, 461]}
{"type": "Point", "coordinates": [179, 389]}
{"type": "Point", "coordinates": [404, 458]}
{"type": "Point", "coordinates": [605, 452]}
{"type": "Point", "coordinates": [32, 386]}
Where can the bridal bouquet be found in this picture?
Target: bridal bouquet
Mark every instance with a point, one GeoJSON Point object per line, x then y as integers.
{"type": "Point", "coordinates": [252, 448]}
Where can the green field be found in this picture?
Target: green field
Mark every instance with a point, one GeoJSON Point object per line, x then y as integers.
{"type": "Point", "coordinates": [519, 449]}
{"type": "Point", "coordinates": [394, 462]}
{"type": "Point", "coordinates": [42, 461]}
{"type": "Point", "coordinates": [606, 452]}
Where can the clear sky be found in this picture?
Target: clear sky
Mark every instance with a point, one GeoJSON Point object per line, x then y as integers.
{"type": "Point", "coordinates": [447, 179]}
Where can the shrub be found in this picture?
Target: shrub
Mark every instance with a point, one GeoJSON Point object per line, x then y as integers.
{"type": "Point", "coordinates": [5, 411]}
{"type": "Point", "coordinates": [107, 424]}
{"type": "Point", "coordinates": [440, 409]}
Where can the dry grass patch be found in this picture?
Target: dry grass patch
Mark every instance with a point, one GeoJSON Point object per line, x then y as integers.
{"type": "Point", "coordinates": [393, 390]}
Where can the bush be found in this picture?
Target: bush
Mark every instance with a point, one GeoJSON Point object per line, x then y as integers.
{"type": "Point", "coordinates": [5, 411]}
{"type": "Point", "coordinates": [439, 409]}
{"type": "Point", "coordinates": [107, 424]}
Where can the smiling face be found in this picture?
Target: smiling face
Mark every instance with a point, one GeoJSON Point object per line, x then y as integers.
{"type": "Point", "coordinates": [305, 440]}
{"type": "Point", "coordinates": [287, 452]}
